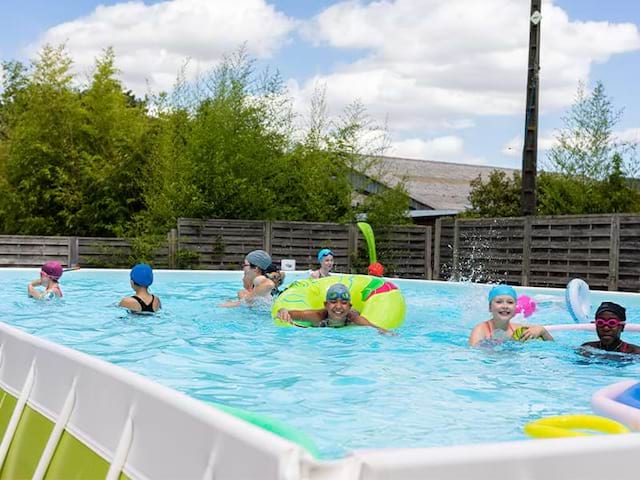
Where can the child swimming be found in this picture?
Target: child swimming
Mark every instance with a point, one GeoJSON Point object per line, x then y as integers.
{"type": "Point", "coordinates": [337, 312]}
{"type": "Point", "coordinates": [50, 274]}
{"type": "Point", "coordinates": [141, 279]}
{"type": "Point", "coordinates": [502, 305]}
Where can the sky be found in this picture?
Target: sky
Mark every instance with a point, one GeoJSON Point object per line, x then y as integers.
{"type": "Point", "coordinates": [446, 77]}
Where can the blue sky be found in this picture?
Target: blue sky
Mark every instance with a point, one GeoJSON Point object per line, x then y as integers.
{"type": "Point", "coordinates": [446, 76]}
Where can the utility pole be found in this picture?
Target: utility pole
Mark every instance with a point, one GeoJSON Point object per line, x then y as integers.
{"type": "Point", "coordinates": [530, 149]}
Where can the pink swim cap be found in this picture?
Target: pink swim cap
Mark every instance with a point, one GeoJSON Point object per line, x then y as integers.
{"type": "Point", "coordinates": [53, 270]}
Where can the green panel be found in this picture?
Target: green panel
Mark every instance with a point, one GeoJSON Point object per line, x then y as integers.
{"type": "Point", "coordinates": [72, 459]}
{"type": "Point", "coordinates": [75, 461]}
{"type": "Point", "coordinates": [27, 445]}
{"type": "Point", "coordinates": [7, 404]}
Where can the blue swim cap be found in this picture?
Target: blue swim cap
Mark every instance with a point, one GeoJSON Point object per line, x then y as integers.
{"type": "Point", "coordinates": [323, 253]}
{"type": "Point", "coordinates": [142, 274]}
{"type": "Point", "coordinates": [502, 290]}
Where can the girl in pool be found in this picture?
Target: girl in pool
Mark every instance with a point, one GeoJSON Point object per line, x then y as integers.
{"type": "Point", "coordinates": [143, 301]}
{"type": "Point", "coordinates": [337, 312]}
{"type": "Point", "coordinates": [49, 276]}
{"type": "Point", "coordinates": [325, 259]}
{"type": "Point", "coordinates": [502, 305]}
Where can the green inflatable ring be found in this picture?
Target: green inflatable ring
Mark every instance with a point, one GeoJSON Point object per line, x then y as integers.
{"type": "Point", "coordinates": [274, 426]}
{"type": "Point", "coordinates": [376, 299]}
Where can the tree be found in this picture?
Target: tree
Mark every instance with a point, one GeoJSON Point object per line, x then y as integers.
{"type": "Point", "coordinates": [42, 162]}
{"type": "Point", "coordinates": [586, 173]}
{"type": "Point", "coordinates": [586, 145]}
{"type": "Point", "coordinates": [498, 197]}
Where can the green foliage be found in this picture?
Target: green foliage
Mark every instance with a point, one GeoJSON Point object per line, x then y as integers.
{"type": "Point", "coordinates": [389, 207]}
{"type": "Point", "coordinates": [94, 160]}
{"type": "Point", "coordinates": [498, 197]}
{"type": "Point", "coordinates": [586, 173]}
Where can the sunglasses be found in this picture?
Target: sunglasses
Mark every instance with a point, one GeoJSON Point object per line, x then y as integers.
{"type": "Point", "coordinates": [611, 323]}
{"type": "Point", "coordinates": [333, 296]}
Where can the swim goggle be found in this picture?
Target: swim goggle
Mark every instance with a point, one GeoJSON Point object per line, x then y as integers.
{"type": "Point", "coordinates": [611, 322]}
{"type": "Point", "coordinates": [333, 296]}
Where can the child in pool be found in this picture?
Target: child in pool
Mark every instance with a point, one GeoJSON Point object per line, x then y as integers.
{"type": "Point", "coordinates": [261, 279]}
{"type": "Point", "coordinates": [325, 259]}
{"type": "Point", "coordinates": [141, 279]}
{"type": "Point", "coordinates": [610, 319]}
{"type": "Point", "coordinates": [337, 312]}
{"type": "Point", "coordinates": [49, 277]}
{"type": "Point", "coordinates": [502, 305]}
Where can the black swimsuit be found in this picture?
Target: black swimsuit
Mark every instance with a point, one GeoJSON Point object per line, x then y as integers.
{"type": "Point", "coordinates": [144, 306]}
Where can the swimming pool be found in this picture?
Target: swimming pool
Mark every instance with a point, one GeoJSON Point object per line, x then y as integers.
{"type": "Point", "coordinates": [348, 389]}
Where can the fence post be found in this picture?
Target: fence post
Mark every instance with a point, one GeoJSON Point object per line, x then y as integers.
{"type": "Point", "coordinates": [614, 252]}
{"type": "Point", "coordinates": [436, 249]}
{"type": "Point", "coordinates": [268, 230]}
{"type": "Point", "coordinates": [72, 256]}
{"type": "Point", "coordinates": [455, 273]}
{"type": "Point", "coordinates": [526, 251]}
{"type": "Point", "coordinates": [352, 247]}
{"type": "Point", "coordinates": [172, 243]}
{"type": "Point", "coordinates": [428, 269]}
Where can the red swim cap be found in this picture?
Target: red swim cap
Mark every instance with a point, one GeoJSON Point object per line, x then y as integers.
{"type": "Point", "coordinates": [376, 269]}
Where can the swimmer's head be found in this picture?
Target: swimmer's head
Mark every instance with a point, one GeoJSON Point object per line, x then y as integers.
{"type": "Point", "coordinates": [618, 310]}
{"type": "Point", "coordinates": [338, 291]}
{"type": "Point", "coordinates": [53, 270]}
{"type": "Point", "coordinates": [142, 274]}
{"type": "Point", "coordinates": [325, 252]}
{"type": "Point", "coordinates": [260, 259]}
{"type": "Point", "coordinates": [500, 290]}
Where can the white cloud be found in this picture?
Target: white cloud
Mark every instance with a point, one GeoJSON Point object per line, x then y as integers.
{"type": "Point", "coordinates": [151, 42]}
{"type": "Point", "coordinates": [429, 62]}
{"type": "Point", "coordinates": [449, 146]}
{"type": "Point", "coordinates": [629, 135]}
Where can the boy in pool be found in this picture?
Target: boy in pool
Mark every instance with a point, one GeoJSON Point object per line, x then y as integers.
{"type": "Point", "coordinates": [337, 312]}
{"type": "Point", "coordinates": [325, 259]}
{"type": "Point", "coordinates": [49, 277]}
{"type": "Point", "coordinates": [502, 305]}
{"type": "Point", "coordinates": [141, 279]}
{"type": "Point", "coordinates": [610, 319]}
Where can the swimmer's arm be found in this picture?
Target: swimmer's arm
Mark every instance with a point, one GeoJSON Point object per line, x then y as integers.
{"type": "Point", "coordinates": [262, 287]}
{"type": "Point", "coordinates": [313, 316]}
{"type": "Point", "coordinates": [478, 334]}
{"type": "Point", "coordinates": [246, 283]}
{"type": "Point", "coordinates": [536, 331]}
{"type": "Point", "coordinates": [315, 274]}
{"type": "Point", "coordinates": [130, 303]}
{"type": "Point", "coordinates": [357, 319]}
{"type": "Point", "coordinates": [31, 290]}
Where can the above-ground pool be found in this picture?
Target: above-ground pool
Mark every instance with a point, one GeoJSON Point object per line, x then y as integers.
{"type": "Point", "coordinates": [346, 388]}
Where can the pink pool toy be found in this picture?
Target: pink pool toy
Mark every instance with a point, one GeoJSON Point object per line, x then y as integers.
{"type": "Point", "coordinates": [526, 305]}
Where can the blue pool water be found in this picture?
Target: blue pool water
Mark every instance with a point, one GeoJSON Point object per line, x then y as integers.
{"type": "Point", "coordinates": [348, 389]}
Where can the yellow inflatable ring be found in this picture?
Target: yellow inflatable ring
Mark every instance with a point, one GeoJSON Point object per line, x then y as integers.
{"type": "Point", "coordinates": [376, 299]}
{"type": "Point", "coordinates": [572, 426]}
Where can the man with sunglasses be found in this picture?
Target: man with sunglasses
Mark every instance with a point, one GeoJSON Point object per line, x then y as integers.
{"type": "Point", "coordinates": [337, 312]}
{"type": "Point", "coordinates": [610, 321]}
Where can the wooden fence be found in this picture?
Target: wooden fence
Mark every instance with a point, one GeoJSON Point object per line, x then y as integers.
{"type": "Point", "coordinates": [541, 251]}
{"type": "Point", "coordinates": [604, 250]}
{"type": "Point", "coordinates": [222, 244]}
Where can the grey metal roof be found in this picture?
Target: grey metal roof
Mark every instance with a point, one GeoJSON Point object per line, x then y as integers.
{"type": "Point", "coordinates": [438, 185]}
